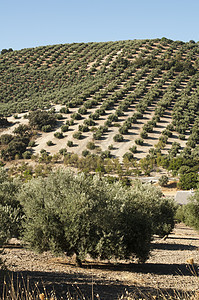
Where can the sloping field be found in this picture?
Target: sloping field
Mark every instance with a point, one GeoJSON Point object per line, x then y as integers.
{"type": "Point", "coordinates": [145, 91]}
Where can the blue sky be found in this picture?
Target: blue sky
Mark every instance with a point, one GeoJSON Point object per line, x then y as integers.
{"type": "Point", "coordinates": [27, 23]}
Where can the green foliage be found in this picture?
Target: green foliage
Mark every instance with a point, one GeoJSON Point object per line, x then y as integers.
{"type": "Point", "coordinates": [5, 139]}
{"type": "Point", "coordinates": [188, 180]}
{"type": "Point", "coordinates": [128, 155]}
{"type": "Point", "coordinates": [77, 135]}
{"type": "Point", "coordinates": [85, 153]}
{"type": "Point", "coordinates": [22, 129]}
{"type": "Point", "coordinates": [16, 146]}
{"type": "Point", "coordinates": [139, 141]}
{"type": "Point", "coordinates": [49, 143]}
{"type": "Point", "coordinates": [163, 180]}
{"type": "Point", "coordinates": [118, 138]}
{"type": "Point", "coordinates": [84, 215]}
{"type": "Point", "coordinates": [64, 128]}
{"type": "Point", "coordinates": [64, 110]}
{"type": "Point", "coordinates": [76, 116]}
{"type": "Point", "coordinates": [58, 135]}
{"type": "Point", "coordinates": [31, 143]}
{"type": "Point", "coordinates": [10, 210]}
{"type": "Point", "coordinates": [133, 149]}
{"type": "Point", "coordinates": [190, 212]}
{"type": "Point", "coordinates": [91, 145]}
{"type": "Point", "coordinates": [70, 144]}
{"type": "Point", "coordinates": [4, 122]}
{"type": "Point", "coordinates": [39, 118]}
{"type": "Point", "coordinates": [27, 154]}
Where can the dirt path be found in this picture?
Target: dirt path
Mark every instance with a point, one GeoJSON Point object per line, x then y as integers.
{"type": "Point", "coordinates": [166, 269]}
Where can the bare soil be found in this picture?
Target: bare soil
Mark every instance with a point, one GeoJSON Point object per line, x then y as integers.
{"type": "Point", "coordinates": [169, 268]}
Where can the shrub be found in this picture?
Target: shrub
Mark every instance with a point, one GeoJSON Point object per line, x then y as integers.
{"type": "Point", "coordinates": [190, 213]}
{"type": "Point", "coordinates": [110, 147]}
{"type": "Point", "coordinates": [64, 110]}
{"type": "Point", "coordinates": [77, 135]}
{"type": "Point", "coordinates": [11, 213]}
{"type": "Point", "coordinates": [123, 129]}
{"type": "Point", "coordinates": [49, 143]}
{"type": "Point", "coordinates": [22, 129]}
{"type": "Point", "coordinates": [59, 116]}
{"type": "Point", "coordinates": [90, 145]}
{"type": "Point", "coordinates": [46, 128]}
{"type": "Point", "coordinates": [144, 134]}
{"type": "Point", "coordinates": [4, 122]}
{"type": "Point", "coordinates": [181, 136]}
{"type": "Point", "coordinates": [91, 216]}
{"type": "Point", "coordinates": [163, 180]}
{"type": "Point", "coordinates": [139, 141]}
{"type": "Point", "coordinates": [76, 116]}
{"type": "Point", "coordinates": [64, 128]}
{"type": "Point", "coordinates": [70, 144]}
{"type": "Point", "coordinates": [97, 135]}
{"type": "Point", "coordinates": [106, 154]}
{"type": "Point", "coordinates": [63, 151]}
{"type": "Point", "coordinates": [5, 139]}
{"type": "Point", "coordinates": [83, 128]}
{"type": "Point", "coordinates": [40, 118]}
{"type": "Point", "coordinates": [128, 155]}
{"type": "Point", "coordinates": [15, 148]}
{"type": "Point", "coordinates": [85, 153]}
{"type": "Point", "coordinates": [89, 122]}
{"type": "Point", "coordinates": [58, 135]}
{"type": "Point", "coordinates": [133, 149]}
{"type": "Point", "coordinates": [31, 144]}
{"type": "Point", "coordinates": [118, 138]}
{"type": "Point", "coordinates": [27, 155]}
{"type": "Point", "coordinates": [82, 110]}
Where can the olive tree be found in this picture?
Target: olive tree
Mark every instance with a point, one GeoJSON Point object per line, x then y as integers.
{"type": "Point", "coordinates": [10, 209]}
{"type": "Point", "coordinates": [79, 214]}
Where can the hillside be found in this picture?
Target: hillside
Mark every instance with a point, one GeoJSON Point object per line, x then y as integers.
{"type": "Point", "coordinates": [126, 97]}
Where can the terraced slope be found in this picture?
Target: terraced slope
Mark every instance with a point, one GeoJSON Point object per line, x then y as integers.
{"type": "Point", "coordinates": [141, 93]}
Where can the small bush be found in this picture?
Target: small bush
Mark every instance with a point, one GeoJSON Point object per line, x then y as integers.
{"type": "Point", "coordinates": [118, 138]}
{"type": "Point", "coordinates": [27, 155]}
{"type": "Point", "coordinates": [90, 145]}
{"type": "Point", "coordinates": [70, 144]}
{"type": "Point", "coordinates": [59, 116]}
{"type": "Point", "coordinates": [31, 144]}
{"type": "Point", "coordinates": [58, 135]}
{"type": "Point", "coordinates": [63, 151]}
{"type": "Point", "coordinates": [76, 116]}
{"type": "Point", "coordinates": [163, 180]}
{"type": "Point", "coordinates": [133, 149]}
{"type": "Point", "coordinates": [64, 110]}
{"type": "Point", "coordinates": [49, 143]}
{"type": "Point", "coordinates": [64, 128]}
{"type": "Point", "coordinates": [5, 139]}
{"type": "Point", "coordinates": [46, 128]}
{"type": "Point", "coordinates": [139, 141]}
{"type": "Point", "coordinates": [128, 155]}
{"type": "Point", "coordinates": [85, 153]}
{"type": "Point", "coordinates": [77, 135]}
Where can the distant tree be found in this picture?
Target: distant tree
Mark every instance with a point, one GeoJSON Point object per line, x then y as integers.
{"type": "Point", "coordinates": [39, 118]}
{"type": "Point", "coordinates": [4, 122]}
{"type": "Point", "coordinates": [118, 138]}
{"type": "Point", "coordinates": [163, 180]}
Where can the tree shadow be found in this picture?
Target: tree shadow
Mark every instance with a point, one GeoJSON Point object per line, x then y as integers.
{"type": "Point", "coordinates": [80, 285]}
{"type": "Point", "coordinates": [152, 268]}
{"type": "Point", "coordinates": [173, 247]}
{"type": "Point", "coordinates": [184, 238]}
